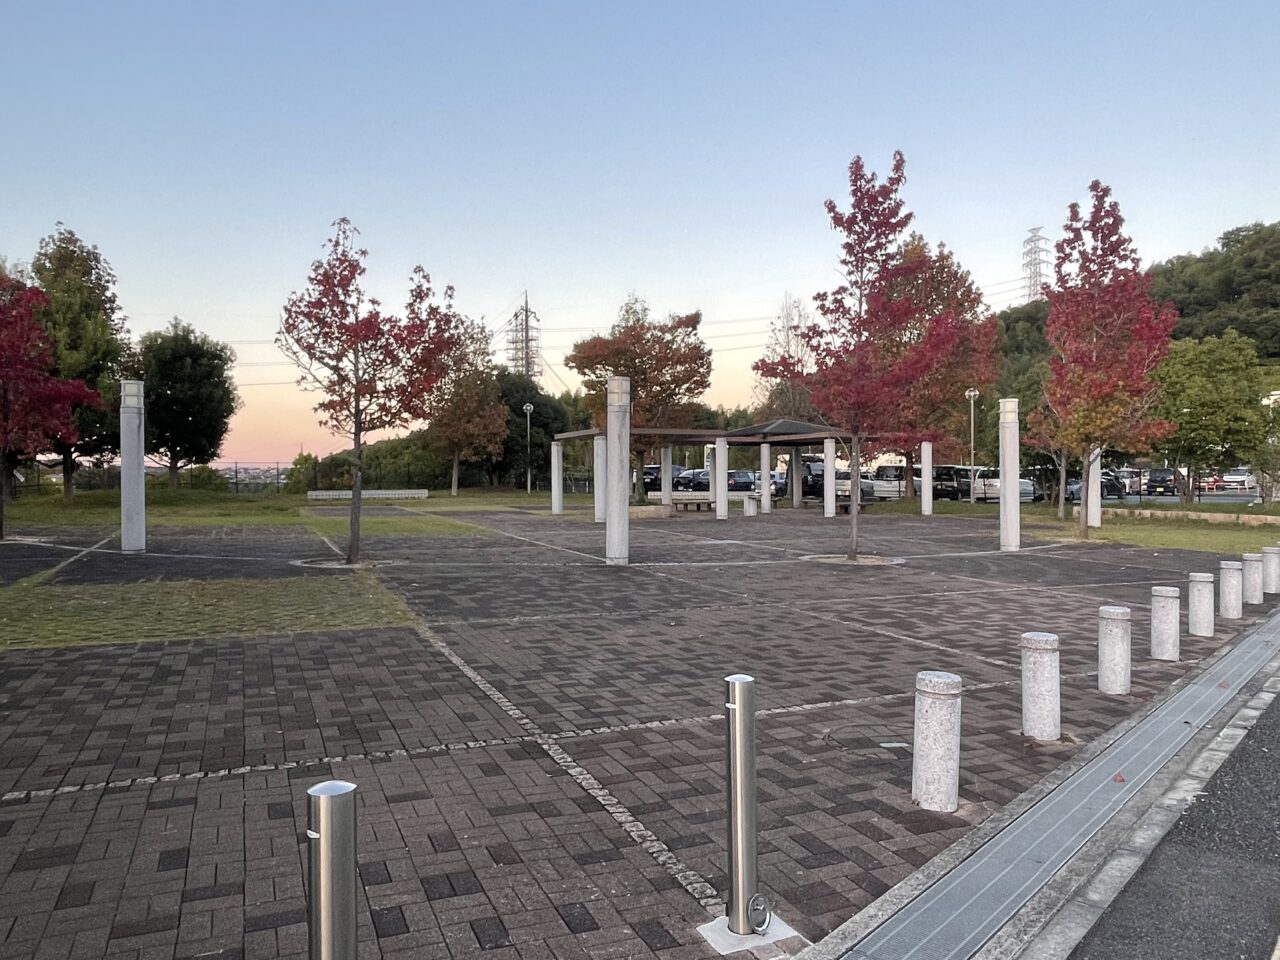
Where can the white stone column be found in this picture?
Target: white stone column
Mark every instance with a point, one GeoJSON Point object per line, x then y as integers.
{"type": "Point", "coordinates": [829, 478]}
{"type": "Point", "coordinates": [749, 506]}
{"type": "Point", "coordinates": [1041, 687]}
{"type": "Point", "coordinates": [711, 477]}
{"type": "Point", "coordinates": [1271, 569]}
{"type": "Point", "coordinates": [617, 526]}
{"type": "Point", "coordinates": [1200, 605]}
{"type": "Point", "coordinates": [1095, 489]}
{"type": "Point", "coordinates": [133, 476]}
{"type": "Point", "coordinates": [926, 479]}
{"type": "Point", "coordinates": [1114, 650]}
{"type": "Point", "coordinates": [766, 479]}
{"type": "Point", "coordinates": [1010, 519]}
{"type": "Point", "coordinates": [935, 760]}
{"type": "Point", "coordinates": [557, 478]}
{"type": "Point", "coordinates": [599, 474]}
{"type": "Point", "coordinates": [1252, 591]}
{"type": "Point", "coordinates": [1231, 589]}
{"type": "Point", "coordinates": [721, 478]}
{"type": "Point", "coordinates": [666, 476]}
{"type": "Point", "coordinates": [1166, 623]}
{"type": "Point", "coordinates": [797, 487]}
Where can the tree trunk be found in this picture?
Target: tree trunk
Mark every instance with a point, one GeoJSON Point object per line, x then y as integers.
{"type": "Point", "coordinates": [68, 474]}
{"type": "Point", "coordinates": [453, 490]}
{"type": "Point", "coordinates": [357, 486]}
{"type": "Point", "coordinates": [4, 493]}
{"type": "Point", "coordinates": [855, 493]}
{"type": "Point", "coordinates": [1188, 491]}
{"type": "Point", "coordinates": [173, 474]}
{"type": "Point", "coordinates": [1082, 522]}
{"type": "Point", "coordinates": [908, 476]}
{"type": "Point", "coordinates": [1062, 486]}
{"type": "Point", "coordinates": [637, 492]}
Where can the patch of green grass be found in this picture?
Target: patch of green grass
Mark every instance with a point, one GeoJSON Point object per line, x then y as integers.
{"type": "Point", "coordinates": [1202, 506]}
{"type": "Point", "coordinates": [1221, 538]}
{"type": "Point", "coordinates": [55, 615]}
{"type": "Point", "coordinates": [164, 508]}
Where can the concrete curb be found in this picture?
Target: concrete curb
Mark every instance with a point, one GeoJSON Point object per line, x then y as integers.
{"type": "Point", "coordinates": [841, 940]}
{"type": "Point", "coordinates": [1055, 920]}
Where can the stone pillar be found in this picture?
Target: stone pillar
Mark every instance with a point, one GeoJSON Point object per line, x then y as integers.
{"type": "Point", "coordinates": [1114, 650]}
{"type": "Point", "coordinates": [1252, 591]}
{"type": "Point", "coordinates": [599, 473]}
{"type": "Point", "coordinates": [720, 477]}
{"type": "Point", "coordinates": [1166, 623]}
{"type": "Point", "coordinates": [1095, 489]}
{"type": "Point", "coordinates": [1271, 569]}
{"type": "Point", "coordinates": [617, 527]}
{"type": "Point", "coordinates": [749, 506]}
{"type": "Point", "coordinates": [926, 479]}
{"type": "Point", "coordinates": [1010, 520]}
{"type": "Point", "coordinates": [1231, 589]}
{"type": "Point", "coordinates": [666, 476]}
{"type": "Point", "coordinates": [1041, 690]}
{"type": "Point", "coordinates": [935, 761]}
{"type": "Point", "coordinates": [797, 488]}
{"type": "Point", "coordinates": [557, 478]}
{"type": "Point", "coordinates": [829, 478]}
{"type": "Point", "coordinates": [133, 476]}
{"type": "Point", "coordinates": [766, 479]}
{"type": "Point", "coordinates": [1200, 605]}
{"type": "Point", "coordinates": [711, 476]}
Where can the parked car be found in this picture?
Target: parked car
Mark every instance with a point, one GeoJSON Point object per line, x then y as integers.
{"type": "Point", "coordinates": [1131, 477]}
{"type": "Point", "coordinates": [890, 481]}
{"type": "Point", "coordinates": [1111, 488]}
{"type": "Point", "coordinates": [1208, 480]}
{"type": "Point", "coordinates": [1239, 479]}
{"type": "Point", "coordinates": [653, 476]}
{"type": "Point", "coordinates": [1164, 482]}
{"type": "Point", "coordinates": [811, 478]}
{"type": "Point", "coordinates": [946, 481]}
{"type": "Point", "coordinates": [692, 481]}
{"type": "Point", "coordinates": [742, 479]}
{"type": "Point", "coordinates": [986, 486]}
{"type": "Point", "coordinates": [778, 485]}
{"type": "Point", "coordinates": [844, 486]}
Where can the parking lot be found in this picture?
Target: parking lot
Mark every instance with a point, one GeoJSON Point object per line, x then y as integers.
{"type": "Point", "coordinates": [539, 748]}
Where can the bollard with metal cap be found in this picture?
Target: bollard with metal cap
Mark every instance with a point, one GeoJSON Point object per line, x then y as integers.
{"type": "Point", "coordinates": [747, 908]}
{"type": "Point", "coordinates": [331, 870]}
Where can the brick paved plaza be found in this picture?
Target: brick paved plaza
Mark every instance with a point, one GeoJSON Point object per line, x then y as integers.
{"type": "Point", "coordinates": [539, 747]}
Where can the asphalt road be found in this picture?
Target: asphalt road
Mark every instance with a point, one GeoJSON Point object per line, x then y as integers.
{"type": "Point", "coordinates": [1211, 889]}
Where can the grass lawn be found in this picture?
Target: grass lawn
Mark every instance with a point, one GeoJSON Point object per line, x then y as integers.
{"type": "Point", "coordinates": [36, 615]}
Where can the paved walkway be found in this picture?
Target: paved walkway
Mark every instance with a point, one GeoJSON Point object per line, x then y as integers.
{"type": "Point", "coordinates": [540, 759]}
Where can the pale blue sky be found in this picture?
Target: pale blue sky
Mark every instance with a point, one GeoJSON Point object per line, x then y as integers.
{"type": "Point", "coordinates": [583, 151]}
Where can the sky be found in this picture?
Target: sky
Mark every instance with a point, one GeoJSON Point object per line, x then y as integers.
{"type": "Point", "coordinates": [585, 151]}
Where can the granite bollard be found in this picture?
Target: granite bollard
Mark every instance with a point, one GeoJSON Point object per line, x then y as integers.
{"type": "Point", "coordinates": [1252, 588]}
{"type": "Point", "coordinates": [935, 765]}
{"type": "Point", "coordinates": [1230, 589]}
{"type": "Point", "coordinates": [1114, 650]}
{"type": "Point", "coordinates": [1041, 687]}
{"type": "Point", "coordinates": [1271, 569]}
{"type": "Point", "coordinates": [1200, 605]}
{"type": "Point", "coordinates": [1166, 623]}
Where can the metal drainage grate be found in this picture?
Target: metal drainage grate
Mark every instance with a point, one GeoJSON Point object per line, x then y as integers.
{"type": "Point", "coordinates": [953, 918]}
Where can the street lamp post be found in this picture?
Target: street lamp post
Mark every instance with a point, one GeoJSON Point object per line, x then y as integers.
{"type": "Point", "coordinates": [972, 395]}
{"type": "Point", "coordinates": [528, 451]}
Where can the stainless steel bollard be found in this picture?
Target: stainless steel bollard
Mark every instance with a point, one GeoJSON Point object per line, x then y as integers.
{"type": "Point", "coordinates": [747, 908]}
{"type": "Point", "coordinates": [331, 870]}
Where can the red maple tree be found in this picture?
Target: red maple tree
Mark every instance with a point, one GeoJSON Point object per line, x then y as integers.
{"type": "Point", "coordinates": [35, 407]}
{"type": "Point", "coordinates": [1106, 338]}
{"type": "Point", "coordinates": [887, 331]}
{"type": "Point", "coordinates": [376, 371]}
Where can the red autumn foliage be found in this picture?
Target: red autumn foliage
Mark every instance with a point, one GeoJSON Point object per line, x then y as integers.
{"type": "Point", "coordinates": [35, 406]}
{"type": "Point", "coordinates": [901, 338]}
{"type": "Point", "coordinates": [1106, 338]}
{"type": "Point", "coordinates": [375, 370]}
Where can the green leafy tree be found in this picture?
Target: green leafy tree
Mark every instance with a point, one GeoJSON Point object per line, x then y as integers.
{"type": "Point", "coordinates": [548, 418]}
{"type": "Point", "coordinates": [1212, 390]}
{"type": "Point", "coordinates": [469, 419]}
{"type": "Point", "coordinates": [190, 395]}
{"type": "Point", "coordinates": [1265, 455]}
{"type": "Point", "coordinates": [85, 326]}
{"type": "Point", "coordinates": [302, 472]}
{"type": "Point", "coordinates": [1235, 285]}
